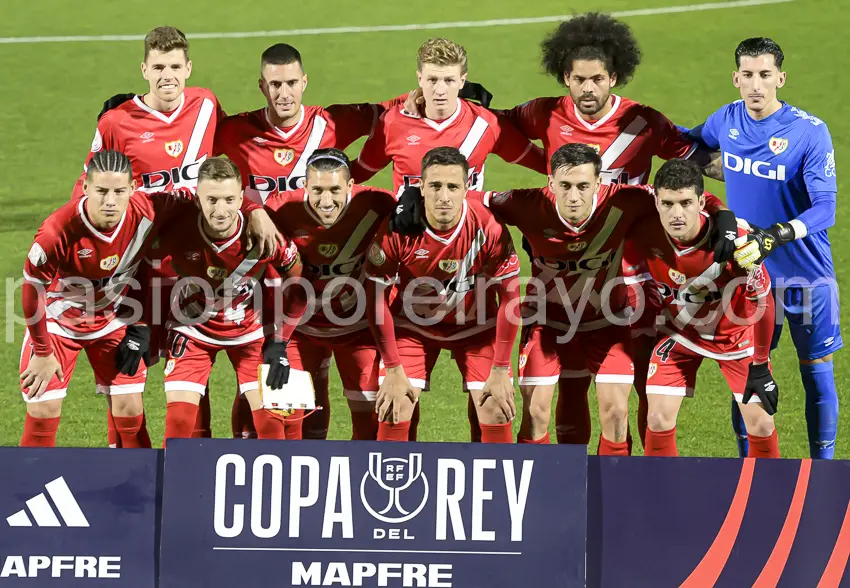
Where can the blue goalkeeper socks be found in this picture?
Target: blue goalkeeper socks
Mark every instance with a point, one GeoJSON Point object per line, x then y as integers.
{"type": "Point", "coordinates": [821, 408]}
{"type": "Point", "coordinates": [740, 430]}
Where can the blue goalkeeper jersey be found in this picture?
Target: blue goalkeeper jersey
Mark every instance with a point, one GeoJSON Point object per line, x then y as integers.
{"type": "Point", "coordinates": [772, 168]}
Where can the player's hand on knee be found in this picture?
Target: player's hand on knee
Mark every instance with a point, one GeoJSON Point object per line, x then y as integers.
{"type": "Point", "coordinates": [133, 348]}
{"type": "Point", "coordinates": [499, 389]}
{"type": "Point", "coordinates": [406, 217]}
{"type": "Point", "coordinates": [394, 393]}
{"type": "Point", "coordinates": [760, 382]}
{"type": "Point", "coordinates": [38, 374]}
{"type": "Point", "coordinates": [274, 355]}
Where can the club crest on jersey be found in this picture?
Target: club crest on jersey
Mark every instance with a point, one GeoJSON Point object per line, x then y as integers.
{"type": "Point", "coordinates": [376, 254]}
{"type": "Point", "coordinates": [777, 145]}
{"type": "Point", "coordinates": [109, 263]}
{"type": "Point", "coordinates": [284, 156]}
{"type": "Point", "coordinates": [677, 277]}
{"type": "Point", "coordinates": [328, 249]}
{"type": "Point", "coordinates": [216, 273]}
{"type": "Point", "coordinates": [523, 358]}
{"type": "Point", "coordinates": [653, 367]}
{"type": "Point", "coordinates": [174, 148]}
{"type": "Point", "coordinates": [577, 246]}
{"type": "Point", "coordinates": [449, 265]}
{"type": "Point", "coordinates": [169, 367]}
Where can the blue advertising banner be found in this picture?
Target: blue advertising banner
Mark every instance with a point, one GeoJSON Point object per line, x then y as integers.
{"type": "Point", "coordinates": [302, 513]}
{"type": "Point", "coordinates": [78, 517]}
{"type": "Point", "coordinates": [718, 522]}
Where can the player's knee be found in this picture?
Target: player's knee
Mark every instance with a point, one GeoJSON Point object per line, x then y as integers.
{"type": "Point", "coordinates": [125, 405]}
{"type": "Point", "coordinates": [539, 411]}
{"type": "Point", "coordinates": [658, 421]}
{"type": "Point", "coordinates": [491, 414]}
{"type": "Point", "coordinates": [761, 425]}
{"type": "Point", "coordinates": [49, 409]}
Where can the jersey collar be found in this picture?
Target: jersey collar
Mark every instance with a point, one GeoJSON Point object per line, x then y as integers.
{"type": "Point", "coordinates": [285, 134]}
{"type": "Point", "coordinates": [81, 209]}
{"type": "Point", "coordinates": [615, 104]}
{"type": "Point", "coordinates": [168, 119]}
{"type": "Point", "coordinates": [231, 241]}
{"type": "Point", "coordinates": [443, 124]}
{"type": "Point", "coordinates": [454, 234]}
{"type": "Point", "coordinates": [699, 244]}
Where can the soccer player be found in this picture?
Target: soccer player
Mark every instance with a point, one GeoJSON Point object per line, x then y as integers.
{"type": "Point", "coordinates": [779, 165]}
{"type": "Point", "coordinates": [333, 222]}
{"type": "Point", "coordinates": [402, 138]}
{"type": "Point", "coordinates": [77, 276]}
{"type": "Point", "coordinates": [216, 310]}
{"type": "Point", "coordinates": [576, 302]}
{"type": "Point", "coordinates": [166, 133]}
{"type": "Point", "coordinates": [448, 281]}
{"type": "Point", "coordinates": [711, 310]}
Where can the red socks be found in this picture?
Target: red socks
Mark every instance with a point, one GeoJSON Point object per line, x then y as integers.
{"type": "Point", "coordinates": [268, 425]}
{"type": "Point", "coordinates": [180, 420]}
{"type": "Point", "coordinates": [610, 448]}
{"type": "Point", "coordinates": [414, 423]}
{"type": "Point", "coordinates": [661, 443]}
{"type": "Point", "coordinates": [242, 419]}
{"type": "Point", "coordinates": [203, 420]}
{"type": "Point", "coordinates": [474, 425]}
{"type": "Point", "coordinates": [763, 446]}
{"type": "Point", "coordinates": [129, 432]}
{"type": "Point", "coordinates": [39, 432]}
{"type": "Point", "coordinates": [572, 413]}
{"type": "Point", "coordinates": [544, 440]}
{"type": "Point", "coordinates": [497, 433]}
{"type": "Point", "coordinates": [391, 432]}
{"type": "Point", "coordinates": [364, 425]}
{"type": "Point", "coordinates": [112, 438]}
{"type": "Point", "coordinates": [293, 425]}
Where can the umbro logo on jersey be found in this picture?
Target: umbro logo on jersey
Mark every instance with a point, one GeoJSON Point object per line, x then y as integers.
{"type": "Point", "coordinates": [421, 253]}
{"type": "Point", "coordinates": [192, 255]}
{"type": "Point", "coordinates": [413, 140]}
{"type": "Point", "coordinates": [174, 148]}
{"type": "Point", "coordinates": [259, 140]}
{"type": "Point", "coordinates": [146, 137]}
{"type": "Point", "coordinates": [550, 233]}
{"type": "Point", "coordinates": [42, 512]}
{"type": "Point", "coordinates": [777, 145]}
{"type": "Point", "coordinates": [566, 130]}
{"type": "Point", "coordinates": [84, 253]}
{"type": "Point", "coordinates": [733, 134]}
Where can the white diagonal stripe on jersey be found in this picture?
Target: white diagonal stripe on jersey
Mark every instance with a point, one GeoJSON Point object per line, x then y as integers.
{"type": "Point", "coordinates": [198, 132]}
{"type": "Point", "coordinates": [66, 504]}
{"type": "Point", "coordinates": [135, 245]}
{"type": "Point", "coordinates": [313, 142]}
{"type": "Point", "coordinates": [124, 267]}
{"type": "Point", "coordinates": [473, 137]}
{"type": "Point", "coordinates": [465, 266]}
{"type": "Point", "coordinates": [686, 315]}
{"type": "Point", "coordinates": [356, 237]}
{"type": "Point", "coordinates": [42, 513]}
{"type": "Point", "coordinates": [622, 142]}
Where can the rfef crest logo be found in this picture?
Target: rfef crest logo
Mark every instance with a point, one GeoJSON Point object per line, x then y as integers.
{"type": "Point", "coordinates": [174, 148]}
{"type": "Point", "coordinates": [394, 490]}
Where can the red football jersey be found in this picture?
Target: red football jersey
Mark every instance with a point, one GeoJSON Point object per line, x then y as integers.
{"type": "Point", "coordinates": [439, 275]}
{"type": "Point", "coordinates": [708, 307]}
{"type": "Point", "coordinates": [404, 139]}
{"type": "Point", "coordinates": [272, 159]}
{"type": "Point", "coordinates": [87, 273]}
{"type": "Point", "coordinates": [234, 274]}
{"type": "Point", "coordinates": [627, 138]}
{"type": "Point", "coordinates": [333, 257]}
{"type": "Point", "coordinates": [573, 264]}
{"type": "Point", "coordinates": [166, 149]}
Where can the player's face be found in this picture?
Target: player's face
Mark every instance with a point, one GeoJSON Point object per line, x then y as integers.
{"type": "Point", "coordinates": [283, 86]}
{"type": "Point", "coordinates": [590, 85]}
{"type": "Point", "coordinates": [327, 193]}
{"type": "Point", "coordinates": [758, 79]}
{"type": "Point", "coordinates": [167, 73]}
{"type": "Point", "coordinates": [680, 212]}
{"type": "Point", "coordinates": [575, 188]}
{"type": "Point", "coordinates": [108, 197]}
{"type": "Point", "coordinates": [220, 201]}
{"type": "Point", "coordinates": [444, 189]}
{"type": "Point", "coordinates": [440, 86]}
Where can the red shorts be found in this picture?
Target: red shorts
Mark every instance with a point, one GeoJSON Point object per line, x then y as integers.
{"type": "Point", "coordinates": [159, 303]}
{"type": "Point", "coordinates": [673, 371]}
{"type": "Point", "coordinates": [356, 359]}
{"type": "Point", "coordinates": [190, 362]}
{"type": "Point", "coordinates": [606, 353]}
{"type": "Point", "coordinates": [101, 354]}
{"type": "Point", "coordinates": [646, 302]}
{"type": "Point", "coordinates": [474, 357]}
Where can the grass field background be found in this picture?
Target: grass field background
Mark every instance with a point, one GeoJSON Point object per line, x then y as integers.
{"type": "Point", "coordinates": [52, 93]}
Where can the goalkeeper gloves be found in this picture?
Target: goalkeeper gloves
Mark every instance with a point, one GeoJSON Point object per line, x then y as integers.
{"type": "Point", "coordinates": [477, 92]}
{"type": "Point", "coordinates": [406, 219]}
{"type": "Point", "coordinates": [755, 247]}
{"type": "Point", "coordinates": [114, 102]}
{"type": "Point", "coordinates": [274, 355]}
{"type": "Point", "coordinates": [725, 233]}
{"type": "Point", "coordinates": [761, 383]}
{"type": "Point", "coordinates": [133, 348]}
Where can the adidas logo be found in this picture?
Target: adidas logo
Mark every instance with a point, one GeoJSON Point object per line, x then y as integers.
{"type": "Point", "coordinates": [44, 515]}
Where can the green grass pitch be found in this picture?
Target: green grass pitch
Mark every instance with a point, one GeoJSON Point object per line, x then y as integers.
{"type": "Point", "coordinates": [53, 91]}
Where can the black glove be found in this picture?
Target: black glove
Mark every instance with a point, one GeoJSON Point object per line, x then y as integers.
{"type": "Point", "coordinates": [725, 233]}
{"type": "Point", "coordinates": [761, 383]}
{"type": "Point", "coordinates": [477, 92]}
{"type": "Point", "coordinates": [274, 354]}
{"type": "Point", "coordinates": [526, 246]}
{"type": "Point", "coordinates": [115, 102]}
{"type": "Point", "coordinates": [406, 219]}
{"type": "Point", "coordinates": [133, 348]}
{"type": "Point", "coordinates": [761, 243]}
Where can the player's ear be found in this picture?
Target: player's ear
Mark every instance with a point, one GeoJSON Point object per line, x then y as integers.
{"type": "Point", "coordinates": [702, 201]}
{"type": "Point", "coordinates": [304, 79]}
{"type": "Point", "coordinates": [613, 79]}
{"type": "Point", "coordinates": [462, 80]}
{"type": "Point", "coordinates": [133, 185]}
{"type": "Point", "coordinates": [144, 68]}
{"type": "Point", "coordinates": [736, 80]}
{"type": "Point", "coordinates": [350, 184]}
{"type": "Point", "coordinates": [419, 77]}
{"type": "Point", "coordinates": [551, 179]}
{"type": "Point", "coordinates": [188, 68]}
{"type": "Point", "coordinates": [781, 81]}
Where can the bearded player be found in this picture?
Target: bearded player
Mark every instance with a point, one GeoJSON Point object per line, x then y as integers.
{"type": "Point", "coordinates": [711, 310]}
{"type": "Point", "coordinates": [217, 307]}
{"type": "Point", "coordinates": [457, 285]}
{"type": "Point", "coordinates": [333, 222]}
{"type": "Point", "coordinates": [166, 133]}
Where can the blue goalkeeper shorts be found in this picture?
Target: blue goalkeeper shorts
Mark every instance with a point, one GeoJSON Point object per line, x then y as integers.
{"type": "Point", "coordinates": [813, 318]}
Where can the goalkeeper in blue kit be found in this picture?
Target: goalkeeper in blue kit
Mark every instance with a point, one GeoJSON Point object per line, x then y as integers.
{"type": "Point", "coordinates": [779, 168]}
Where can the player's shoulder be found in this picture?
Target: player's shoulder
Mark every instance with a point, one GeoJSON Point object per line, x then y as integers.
{"type": "Point", "coordinates": [193, 93]}
{"type": "Point", "coordinates": [801, 117]}
{"type": "Point", "coordinates": [250, 121]}
{"type": "Point", "coordinates": [113, 117]}
{"type": "Point", "coordinates": [627, 193]}
{"type": "Point", "coordinates": [284, 199]}
{"type": "Point", "coordinates": [632, 109]}
{"type": "Point", "coordinates": [545, 104]}
{"type": "Point", "coordinates": [479, 212]}
{"type": "Point", "coordinates": [64, 220]}
{"type": "Point", "coordinates": [371, 196]}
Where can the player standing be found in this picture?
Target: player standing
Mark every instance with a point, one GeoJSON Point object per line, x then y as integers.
{"type": "Point", "coordinates": [779, 165]}
{"type": "Point", "coordinates": [711, 310]}
{"type": "Point", "coordinates": [333, 222]}
{"type": "Point", "coordinates": [448, 280]}
{"type": "Point", "coordinates": [221, 280]}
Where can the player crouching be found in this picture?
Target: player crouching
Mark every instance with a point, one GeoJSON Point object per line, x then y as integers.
{"type": "Point", "coordinates": [711, 310]}
{"type": "Point", "coordinates": [218, 301]}
{"type": "Point", "coordinates": [446, 299]}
